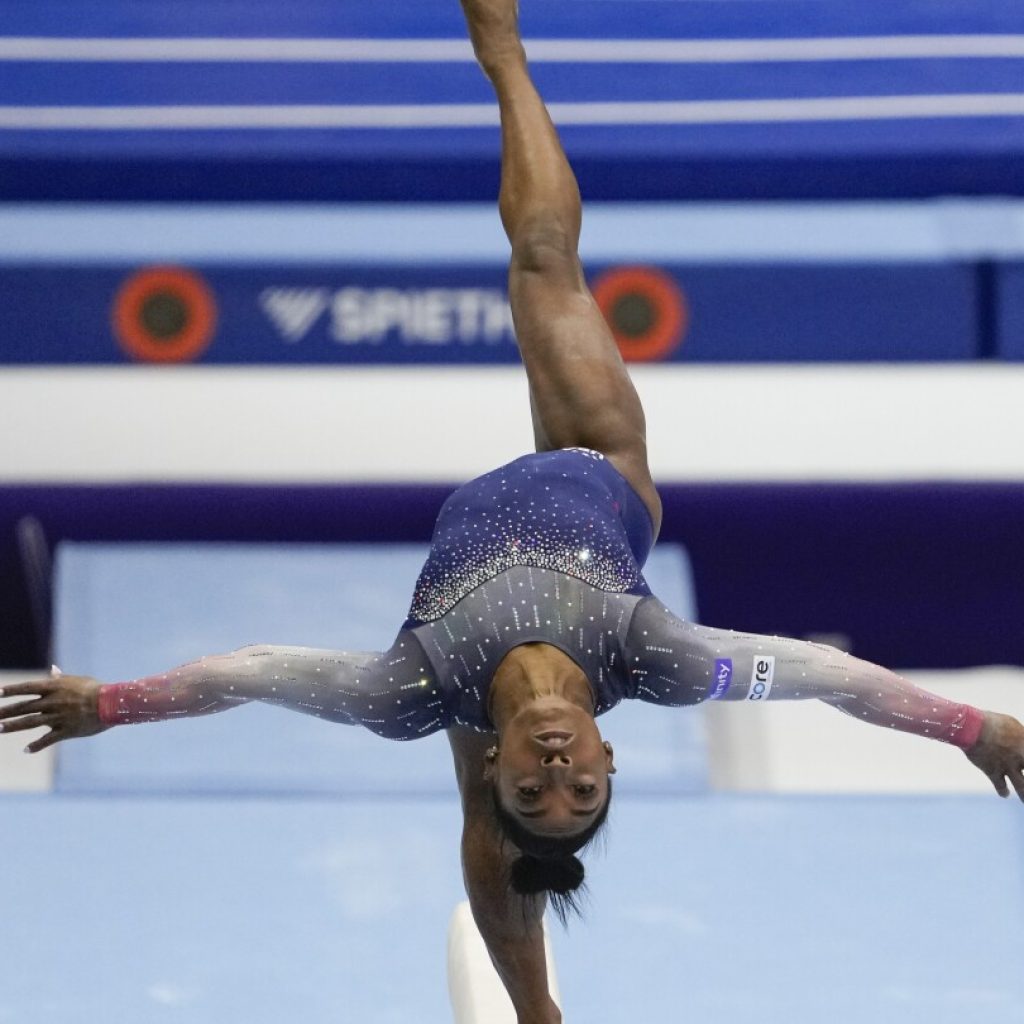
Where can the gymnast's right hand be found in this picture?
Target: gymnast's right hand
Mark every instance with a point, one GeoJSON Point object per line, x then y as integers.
{"type": "Point", "coordinates": [999, 752]}
{"type": "Point", "coordinates": [68, 705]}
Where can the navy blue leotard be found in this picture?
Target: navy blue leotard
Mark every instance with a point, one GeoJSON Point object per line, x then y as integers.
{"type": "Point", "coordinates": [549, 548]}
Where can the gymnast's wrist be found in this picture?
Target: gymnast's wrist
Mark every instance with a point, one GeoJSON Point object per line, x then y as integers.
{"type": "Point", "coordinates": [969, 733]}
{"type": "Point", "coordinates": [107, 704]}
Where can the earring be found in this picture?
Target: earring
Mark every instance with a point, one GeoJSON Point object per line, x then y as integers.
{"type": "Point", "coordinates": [492, 754]}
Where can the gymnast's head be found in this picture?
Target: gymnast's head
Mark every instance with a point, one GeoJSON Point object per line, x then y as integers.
{"type": "Point", "coordinates": [550, 770]}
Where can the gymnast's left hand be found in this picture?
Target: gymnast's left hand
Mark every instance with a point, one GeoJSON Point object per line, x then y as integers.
{"type": "Point", "coordinates": [67, 705]}
{"type": "Point", "coordinates": [999, 753]}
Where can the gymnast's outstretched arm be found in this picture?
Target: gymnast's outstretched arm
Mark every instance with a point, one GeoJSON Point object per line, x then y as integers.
{"type": "Point", "coordinates": [510, 925]}
{"type": "Point", "coordinates": [678, 663]}
{"type": "Point", "coordinates": [391, 693]}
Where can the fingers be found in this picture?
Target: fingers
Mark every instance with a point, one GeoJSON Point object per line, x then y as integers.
{"type": "Point", "coordinates": [28, 722]}
{"type": "Point", "coordinates": [37, 721]}
{"type": "Point", "coordinates": [35, 713]}
{"type": "Point", "coordinates": [998, 780]}
{"type": "Point", "coordinates": [38, 689]}
{"type": "Point", "coordinates": [1017, 778]}
{"type": "Point", "coordinates": [23, 707]}
{"type": "Point", "coordinates": [53, 736]}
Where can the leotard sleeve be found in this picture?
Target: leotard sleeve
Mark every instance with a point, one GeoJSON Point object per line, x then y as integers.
{"type": "Point", "coordinates": [392, 693]}
{"type": "Point", "coordinates": [674, 662]}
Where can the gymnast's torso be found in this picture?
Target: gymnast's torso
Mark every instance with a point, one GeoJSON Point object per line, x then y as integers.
{"type": "Point", "coordinates": [548, 548]}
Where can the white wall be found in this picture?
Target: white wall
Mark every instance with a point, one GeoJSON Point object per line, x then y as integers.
{"type": "Point", "coordinates": [327, 424]}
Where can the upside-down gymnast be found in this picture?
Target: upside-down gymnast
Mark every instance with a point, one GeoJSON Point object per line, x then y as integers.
{"type": "Point", "coordinates": [531, 616]}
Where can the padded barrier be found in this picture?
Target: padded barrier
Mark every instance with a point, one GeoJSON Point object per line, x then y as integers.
{"type": "Point", "coordinates": [780, 911]}
{"type": "Point", "coordinates": [919, 124]}
{"type": "Point", "coordinates": [124, 611]}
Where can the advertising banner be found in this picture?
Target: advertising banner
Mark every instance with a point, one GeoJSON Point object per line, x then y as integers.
{"type": "Point", "coordinates": [337, 314]}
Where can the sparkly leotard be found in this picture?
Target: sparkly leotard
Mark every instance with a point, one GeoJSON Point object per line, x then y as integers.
{"type": "Point", "coordinates": [546, 549]}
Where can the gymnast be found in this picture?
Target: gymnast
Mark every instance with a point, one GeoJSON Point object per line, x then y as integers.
{"type": "Point", "coordinates": [531, 616]}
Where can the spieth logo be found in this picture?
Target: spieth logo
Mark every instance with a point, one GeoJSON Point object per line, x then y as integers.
{"type": "Point", "coordinates": [416, 316]}
{"type": "Point", "coordinates": [761, 678]}
{"type": "Point", "coordinates": [293, 311]}
{"type": "Point", "coordinates": [723, 678]}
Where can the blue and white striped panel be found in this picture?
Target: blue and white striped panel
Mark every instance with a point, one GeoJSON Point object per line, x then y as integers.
{"type": "Point", "coordinates": [661, 99]}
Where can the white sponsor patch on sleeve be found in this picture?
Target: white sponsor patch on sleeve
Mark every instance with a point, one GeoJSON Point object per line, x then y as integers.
{"type": "Point", "coordinates": [761, 677]}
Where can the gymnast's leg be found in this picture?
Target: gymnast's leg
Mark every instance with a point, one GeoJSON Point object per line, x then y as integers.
{"type": "Point", "coordinates": [580, 392]}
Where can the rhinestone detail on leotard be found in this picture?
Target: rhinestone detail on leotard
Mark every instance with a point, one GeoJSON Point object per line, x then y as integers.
{"type": "Point", "coordinates": [533, 512]}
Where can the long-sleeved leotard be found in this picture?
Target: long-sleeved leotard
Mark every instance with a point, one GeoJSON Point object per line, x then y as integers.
{"type": "Point", "coordinates": [547, 549]}
{"type": "Point", "coordinates": [679, 663]}
{"type": "Point", "coordinates": [393, 693]}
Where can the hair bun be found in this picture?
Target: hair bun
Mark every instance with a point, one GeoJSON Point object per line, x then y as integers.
{"type": "Point", "coordinates": [531, 875]}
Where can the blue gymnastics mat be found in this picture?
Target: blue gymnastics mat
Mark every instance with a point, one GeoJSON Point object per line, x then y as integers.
{"type": "Point", "coordinates": [737, 910]}
{"type": "Point", "coordinates": [322, 100]}
{"type": "Point", "coordinates": [124, 611]}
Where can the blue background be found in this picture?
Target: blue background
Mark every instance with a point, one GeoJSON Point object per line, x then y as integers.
{"type": "Point", "coordinates": [903, 157]}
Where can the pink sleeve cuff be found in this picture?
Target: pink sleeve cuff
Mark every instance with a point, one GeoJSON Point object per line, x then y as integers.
{"type": "Point", "coordinates": [968, 735]}
{"type": "Point", "coordinates": [107, 704]}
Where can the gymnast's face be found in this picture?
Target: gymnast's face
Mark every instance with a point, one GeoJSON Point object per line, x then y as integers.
{"type": "Point", "coordinates": [552, 768]}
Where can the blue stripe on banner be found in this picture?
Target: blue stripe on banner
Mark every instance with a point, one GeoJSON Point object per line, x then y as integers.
{"type": "Point", "coordinates": [164, 168]}
{"type": "Point", "coordinates": [401, 315]}
{"type": "Point", "coordinates": [39, 84]}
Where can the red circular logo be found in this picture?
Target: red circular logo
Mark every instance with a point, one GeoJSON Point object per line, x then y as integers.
{"type": "Point", "coordinates": [164, 315]}
{"type": "Point", "coordinates": [645, 309]}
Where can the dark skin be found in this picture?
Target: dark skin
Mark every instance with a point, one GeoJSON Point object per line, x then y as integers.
{"type": "Point", "coordinates": [67, 705]}
{"type": "Point", "coordinates": [552, 767]}
{"type": "Point", "coordinates": [511, 925]}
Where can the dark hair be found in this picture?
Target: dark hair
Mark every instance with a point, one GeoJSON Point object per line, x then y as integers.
{"type": "Point", "coordinates": [548, 864]}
